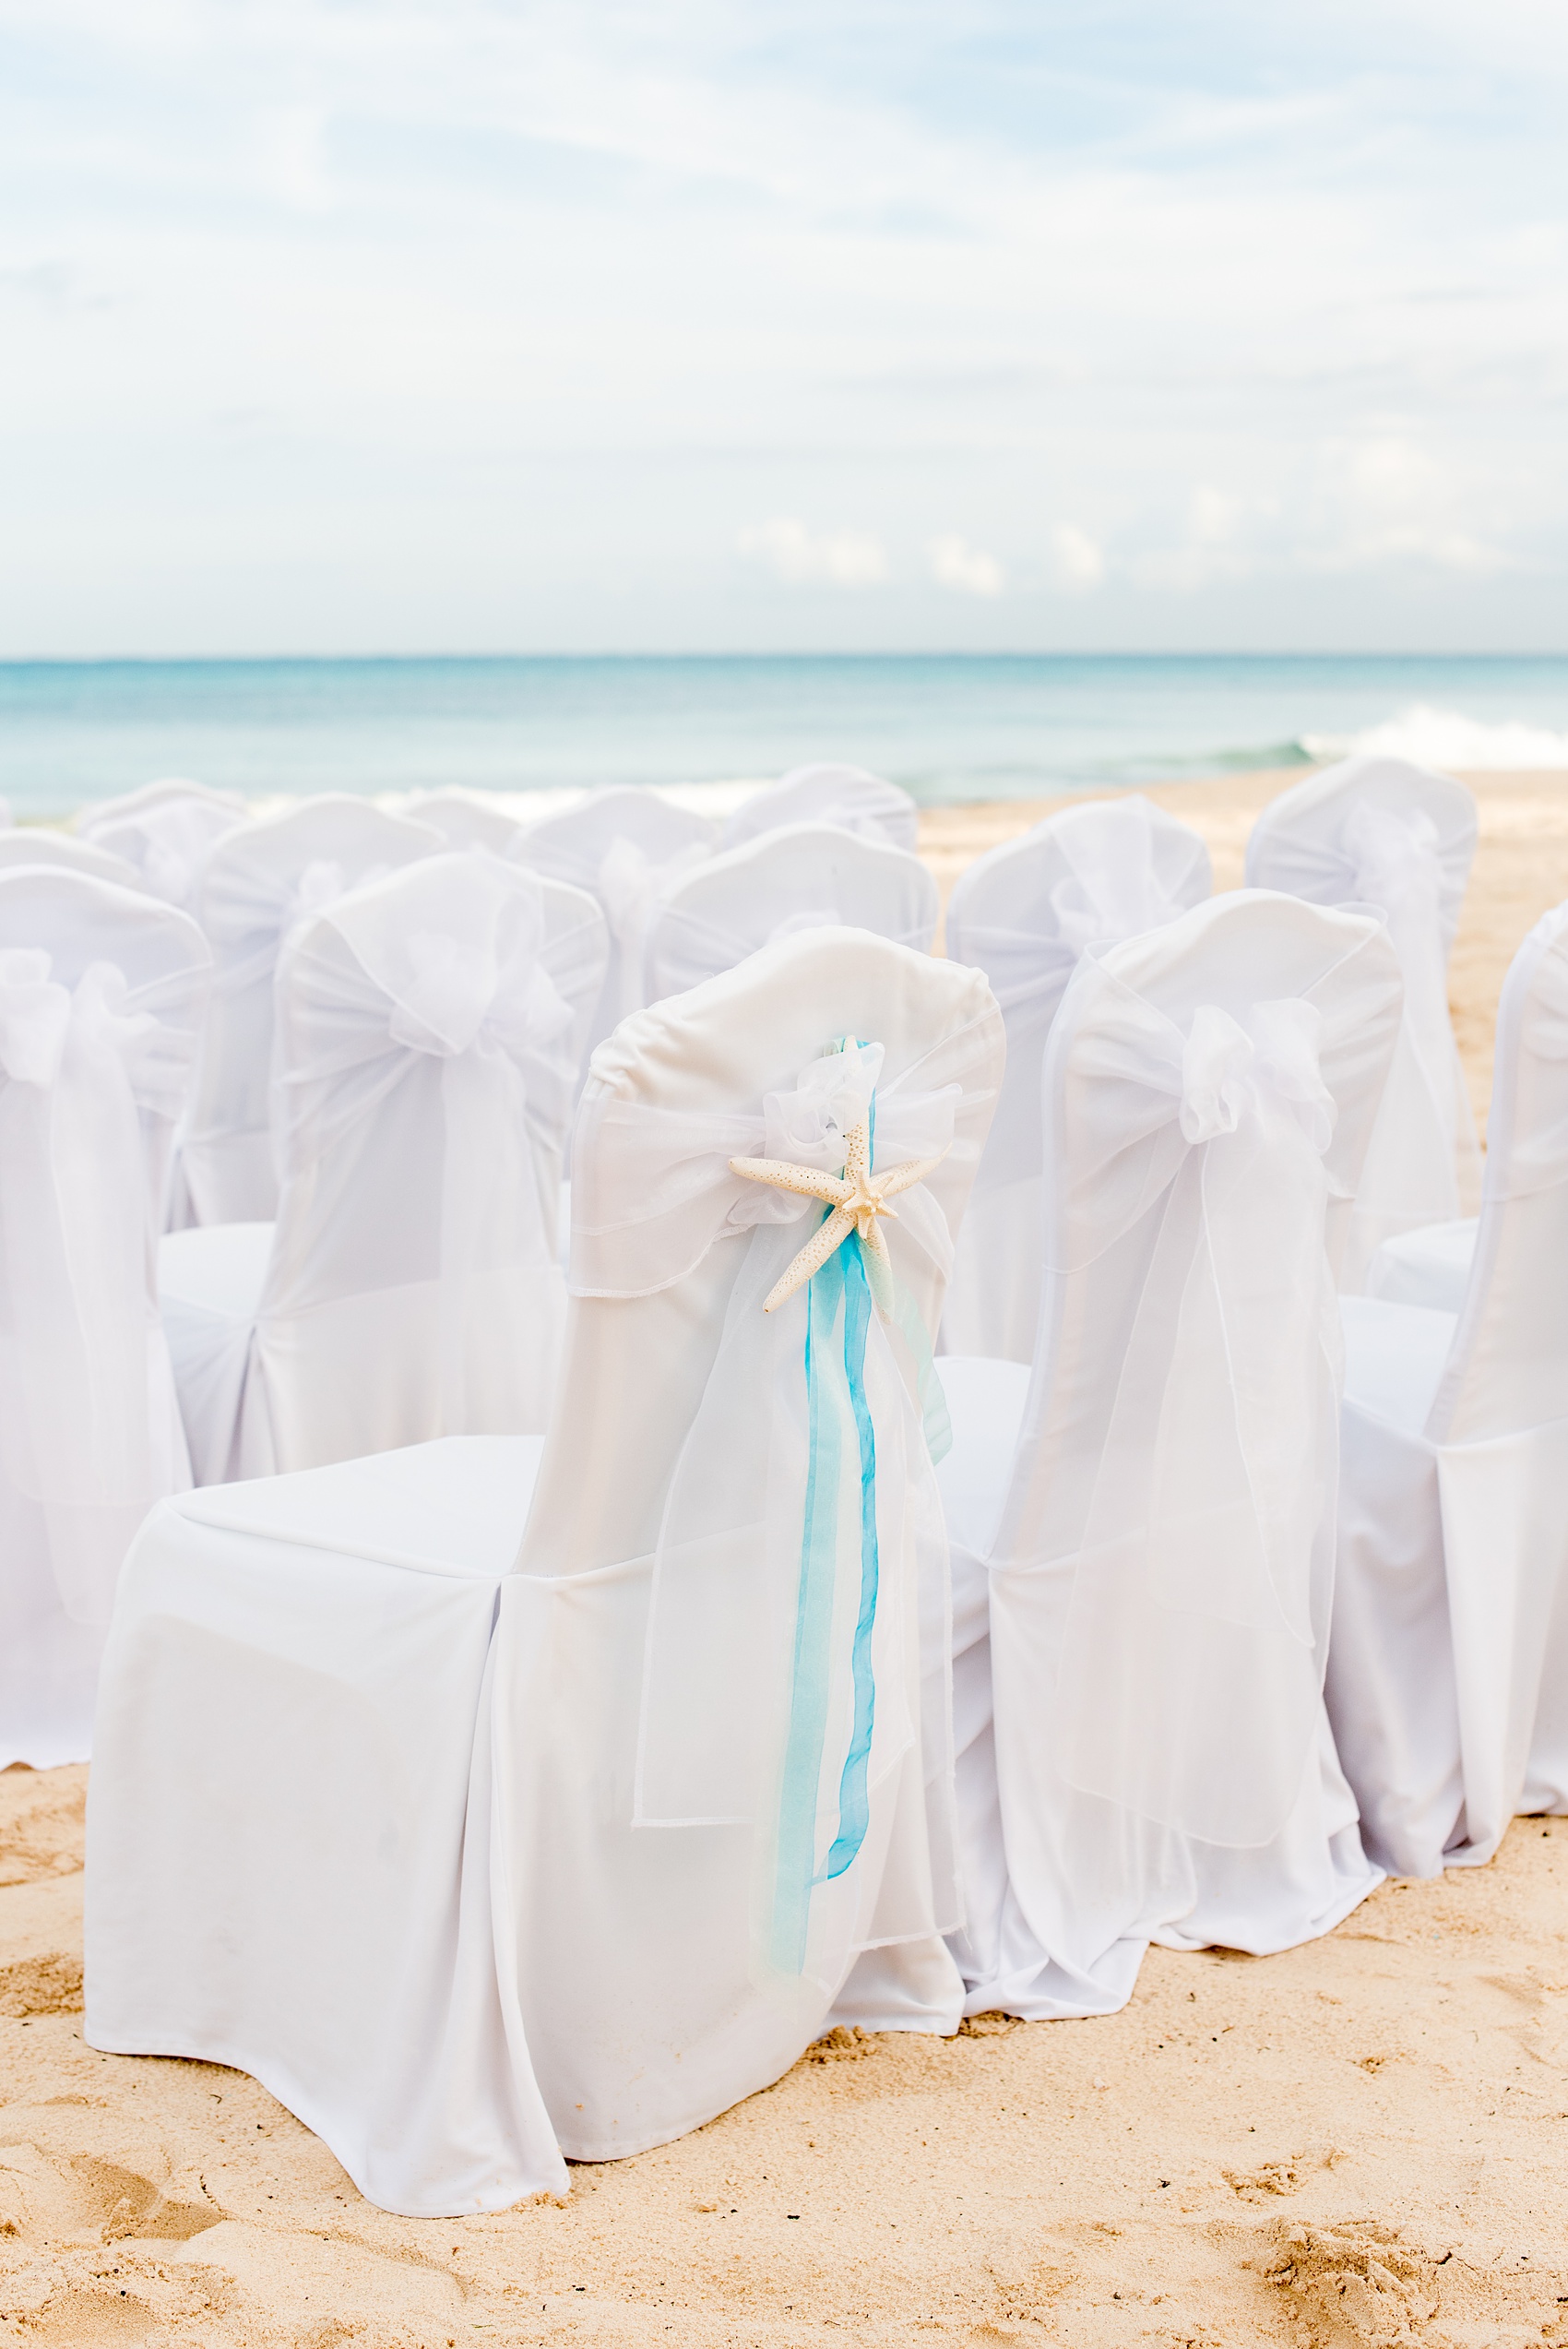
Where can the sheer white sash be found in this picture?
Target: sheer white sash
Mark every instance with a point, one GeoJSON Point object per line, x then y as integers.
{"type": "Point", "coordinates": [80, 1068]}
{"type": "Point", "coordinates": [1201, 1588]}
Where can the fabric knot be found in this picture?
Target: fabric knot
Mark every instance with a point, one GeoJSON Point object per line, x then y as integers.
{"type": "Point", "coordinates": [1395, 857]}
{"type": "Point", "coordinates": [1230, 1071]}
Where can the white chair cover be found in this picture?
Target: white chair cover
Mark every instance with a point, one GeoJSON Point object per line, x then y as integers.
{"type": "Point", "coordinates": [256, 885]}
{"type": "Point", "coordinates": [1024, 913]}
{"type": "Point", "coordinates": [1448, 1670]}
{"type": "Point", "coordinates": [35, 846]}
{"type": "Point", "coordinates": [846, 796]}
{"type": "Point", "coordinates": [466, 819]}
{"type": "Point", "coordinates": [804, 877]}
{"type": "Point", "coordinates": [626, 847]}
{"type": "Point", "coordinates": [1430, 1266]}
{"type": "Point", "coordinates": [1158, 1763]}
{"type": "Point", "coordinates": [166, 832]}
{"type": "Point", "coordinates": [1381, 832]}
{"type": "Point", "coordinates": [430, 1031]}
{"type": "Point", "coordinates": [449, 1943]}
{"type": "Point", "coordinates": [100, 995]}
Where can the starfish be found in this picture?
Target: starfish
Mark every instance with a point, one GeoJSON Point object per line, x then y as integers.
{"type": "Point", "coordinates": [857, 1197]}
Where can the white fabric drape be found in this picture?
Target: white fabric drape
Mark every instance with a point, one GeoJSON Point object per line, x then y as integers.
{"type": "Point", "coordinates": [626, 847]}
{"type": "Point", "coordinates": [256, 885]}
{"type": "Point", "coordinates": [468, 819]}
{"type": "Point", "coordinates": [35, 846]}
{"type": "Point", "coordinates": [429, 1036]}
{"type": "Point", "coordinates": [94, 1062]}
{"type": "Point", "coordinates": [1157, 1764]}
{"type": "Point", "coordinates": [803, 877]}
{"type": "Point", "coordinates": [1024, 914]}
{"type": "Point", "coordinates": [165, 832]}
{"type": "Point", "coordinates": [1450, 1652]}
{"type": "Point", "coordinates": [848, 797]}
{"type": "Point", "coordinates": [449, 1947]}
{"type": "Point", "coordinates": [1381, 832]}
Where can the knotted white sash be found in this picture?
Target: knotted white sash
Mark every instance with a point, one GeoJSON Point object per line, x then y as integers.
{"type": "Point", "coordinates": [629, 886]}
{"type": "Point", "coordinates": [780, 1687]}
{"type": "Point", "coordinates": [80, 1068]}
{"type": "Point", "coordinates": [1193, 1660]}
{"type": "Point", "coordinates": [484, 1005]}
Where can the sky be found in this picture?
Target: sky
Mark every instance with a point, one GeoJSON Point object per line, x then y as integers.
{"type": "Point", "coordinates": [805, 325]}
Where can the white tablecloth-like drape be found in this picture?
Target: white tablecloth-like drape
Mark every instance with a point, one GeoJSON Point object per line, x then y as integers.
{"type": "Point", "coordinates": [1024, 914]}
{"type": "Point", "coordinates": [1155, 1761]}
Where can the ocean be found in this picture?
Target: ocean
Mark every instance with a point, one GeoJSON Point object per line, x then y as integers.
{"type": "Point", "coordinates": [949, 728]}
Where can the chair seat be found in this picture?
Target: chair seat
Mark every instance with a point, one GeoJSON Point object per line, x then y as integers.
{"type": "Point", "coordinates": [1395, 1357]}
{"type": "Point", "coordinates": [215, 1269]}
{"type": "Point", "coordinates": [211, 1278]}
{"type": "Point", "coordinates": [985, 1402]}
{"type": "Point", "coordinates": [1430, 1267]}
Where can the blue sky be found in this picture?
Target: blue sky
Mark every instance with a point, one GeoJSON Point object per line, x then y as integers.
{"type": "Point", "coordinates": [440, 325]}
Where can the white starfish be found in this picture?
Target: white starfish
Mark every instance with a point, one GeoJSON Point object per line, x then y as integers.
{"type": "Point", "coordinates": [857, 1198]}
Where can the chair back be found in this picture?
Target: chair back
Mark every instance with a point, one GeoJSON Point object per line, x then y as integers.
{"type": "Point", "coordinates": [1209, 1087]}
{"type": "Point", "coordinates": [466, 819]}
{"type": "Point", "coordinates": [1386, 833]}
{"type": "Point", "coordinates": [730, 1613]}
{"type": "Point", "coordinates": [803, 877]}
{"type": "Point", "coordinates": [626, 847]}
{"type": "Point", "coordinates": [1508, 1367]}
{"type": "Point", "coordinates": [166, 832]}
{"type": "Point", "coordinates": [1024, 913]}
{"type": "Point", "coordinates": [102, 994]}
{"type": "Point", "coordinates": [848, 798]}
{"type": "Point", "coordinates": [34, 844]}
{"type": "Point", "coordinates": [256, 885]}
{"type": "Point", "coordinates": [430, 1031]}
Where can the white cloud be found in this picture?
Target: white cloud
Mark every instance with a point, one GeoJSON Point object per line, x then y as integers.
{"type": "Point", "coordinates": [1386, 500]}
{"type": "Point", "coordinates": [833, 558]}
{"type": "Point", "coordinates": [965, 568]}
{"type": "Point", "coordinates": [1077, 561]}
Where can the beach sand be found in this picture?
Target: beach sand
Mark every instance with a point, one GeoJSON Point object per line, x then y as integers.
{"type": "Point", "coordinates": [1365, 2140]}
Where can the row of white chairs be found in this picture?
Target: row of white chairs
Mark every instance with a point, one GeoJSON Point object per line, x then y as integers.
{"type": "Point", "coordinates": [382, 1113]}
{"type": "Point", "coordinates": [504, 1801]}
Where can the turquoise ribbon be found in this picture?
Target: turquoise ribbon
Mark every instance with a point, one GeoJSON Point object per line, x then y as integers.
{"type": "Point", "coordinates": [839, 1310]}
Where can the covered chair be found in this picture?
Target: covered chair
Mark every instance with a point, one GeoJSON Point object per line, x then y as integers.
{"type": "Point", "coordinates": [1142, 1580]}
{"type": "Point", "coordinates": [1381, 832]}
{"type": "Point", "coordinates": [466, 819]}
{"type": "Point", "coordinates": [482, 1841]}
{"type": "Point", "coordinates": [255, 886]}
{"type": "Point", "coordinates": [626, 847]}
{"type": "Point", "coordinates": [166, 832]}
{"type": "Point", "coordinates": [35, 844]}
{"type": "Point", "coordinates": [804, 877]}
{"type": "Point", "coordinates": [1024, 913]}
{"type": "Point", "coordinates": [101, 993]}
{"type": "Point", "coordinates": [1448, 1669]}
{"type": "Point", "coordinates": [850, 797]}
{"type": "Point", "coordinates": [429, 1033]}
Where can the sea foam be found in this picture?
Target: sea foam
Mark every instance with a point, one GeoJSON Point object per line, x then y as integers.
{"type": "Point", "coordinates": [1447, 738]}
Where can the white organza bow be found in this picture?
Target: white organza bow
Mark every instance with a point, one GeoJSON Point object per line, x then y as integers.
{"type": "Point", "coordinates": [1194, 1656]}
{"type": "Point", "coordinates": [80, 1068]}
{"type": "Point", "coordinates": [487, 1008]}
{"type": "Point", "coordinates": [781, 1684]}
{"type": "Point", "coordinates": [629, 886]}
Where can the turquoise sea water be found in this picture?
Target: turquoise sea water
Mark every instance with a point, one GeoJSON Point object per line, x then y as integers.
{"type": "Point", "coordinates": [949, 728]}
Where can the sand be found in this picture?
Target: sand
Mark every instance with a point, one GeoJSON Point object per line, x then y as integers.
{"type": "Point", "coordinates": [1365, 2140]}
